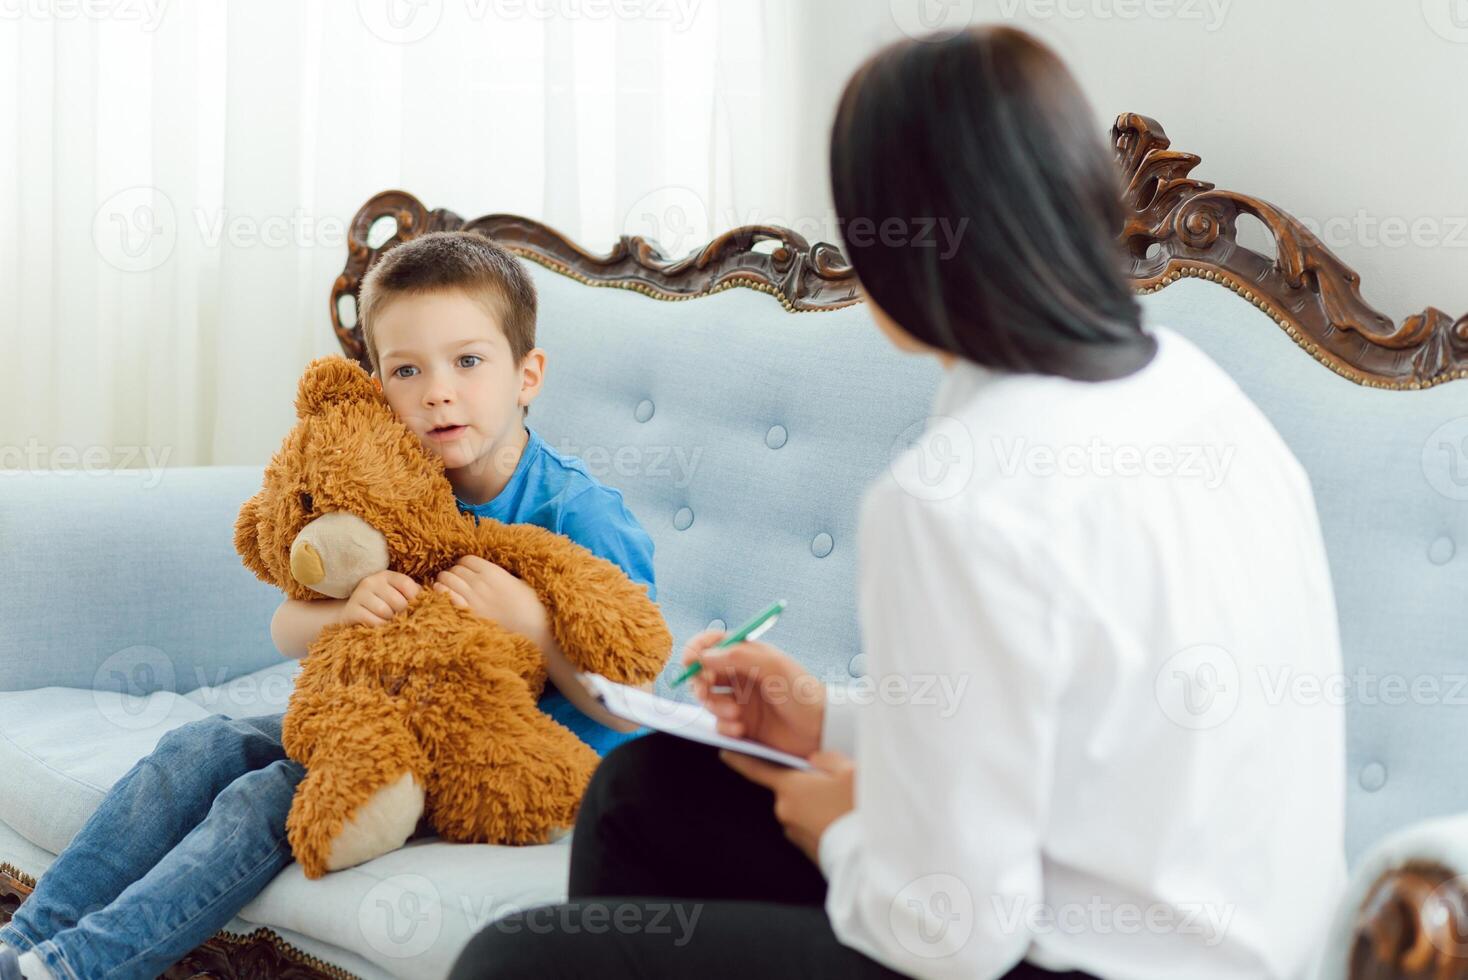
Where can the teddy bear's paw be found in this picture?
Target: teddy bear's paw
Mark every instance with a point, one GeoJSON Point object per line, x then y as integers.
{"type": "Point", "coordinates": [380, 826]}
{"type": "Point", "coordinates": [513, 798]}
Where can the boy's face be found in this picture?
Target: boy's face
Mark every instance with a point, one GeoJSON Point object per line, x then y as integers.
{"type": "Point", "coordinates": [447, 371]}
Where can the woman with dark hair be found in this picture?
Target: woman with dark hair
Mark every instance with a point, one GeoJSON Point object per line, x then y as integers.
{"type": "Point", "coordinates": [1111, 792]}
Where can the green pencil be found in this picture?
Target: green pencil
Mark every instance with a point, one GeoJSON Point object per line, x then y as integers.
{"type": "Point", "coordinates": [751, 630]}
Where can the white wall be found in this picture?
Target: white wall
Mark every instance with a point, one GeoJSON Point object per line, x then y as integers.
{"type": "Point", "coordinates": [1353, 113]}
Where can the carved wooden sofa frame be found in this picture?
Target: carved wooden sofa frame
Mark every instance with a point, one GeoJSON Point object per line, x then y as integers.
{"type": "Point", "coordinates": [1176, 226]}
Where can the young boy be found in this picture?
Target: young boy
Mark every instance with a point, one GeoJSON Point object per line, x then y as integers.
{"type": "Point", "coordinates": [196, 830]}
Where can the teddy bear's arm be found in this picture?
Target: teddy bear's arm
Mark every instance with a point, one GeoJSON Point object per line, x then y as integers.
{"type": "Point", "coordinates": [604, 622]}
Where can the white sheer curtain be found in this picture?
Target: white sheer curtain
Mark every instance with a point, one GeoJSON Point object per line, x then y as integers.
{"type": "Point", "coordinates": [178, 177]}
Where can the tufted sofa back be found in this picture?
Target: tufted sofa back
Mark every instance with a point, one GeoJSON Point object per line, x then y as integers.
{"type": "Point", "coordinates": [742, 437]}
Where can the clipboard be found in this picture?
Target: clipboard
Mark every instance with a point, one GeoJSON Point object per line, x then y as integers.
{"type": "Point", "coordinates": [690, 721]}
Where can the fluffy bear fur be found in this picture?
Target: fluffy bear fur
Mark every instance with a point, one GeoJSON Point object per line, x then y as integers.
{"type": "Point", "coordinates": [434, 712]}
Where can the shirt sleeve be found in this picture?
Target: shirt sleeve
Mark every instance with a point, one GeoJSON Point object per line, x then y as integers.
{"type": "Point", "coordinates": [599, 521]}
{"type": "Point", "coordinates": [937, 869]}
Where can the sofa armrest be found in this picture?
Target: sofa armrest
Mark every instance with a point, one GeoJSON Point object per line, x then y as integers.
{"type": "Point", "coordinates": [1405, 911]}
{"type": "Point", "coordinates": [128, 580]}
{"type": "Point", "coordinates": [1412, 923]}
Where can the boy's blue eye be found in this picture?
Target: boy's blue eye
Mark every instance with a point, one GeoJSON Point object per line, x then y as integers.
{"type": "Point", "coordinates": [470, 357]}
{"type": "Point", "coordinates": [398, 372]}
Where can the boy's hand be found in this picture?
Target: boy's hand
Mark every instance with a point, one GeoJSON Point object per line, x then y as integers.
{"type": "Point", "coordinates": [490, 592]}
{"type": "Point", "coordinates": [378, 598]}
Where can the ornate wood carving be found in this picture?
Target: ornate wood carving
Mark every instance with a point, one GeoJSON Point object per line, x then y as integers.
{"type": "Point", "coordinates": [802, 276]}
{"type": "Point", "coordinates": [225, 956]}
{"type": "Point", "coordinates": [1413, 925]}
{"type": "Point", "coordinates": [1178, 226]}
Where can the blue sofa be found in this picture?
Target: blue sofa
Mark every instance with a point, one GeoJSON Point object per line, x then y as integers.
{"type": "Point", "coordinates": [742, 434]}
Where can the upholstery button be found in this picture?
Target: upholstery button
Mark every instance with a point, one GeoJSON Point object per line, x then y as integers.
{"type": "Point", "coordinates": [644, 410]}
{"type": "Point", "coordinates": [683, 520]}
{"type": "Point", "coordinates": [858, 665]}
{"type": "Point", "coordinates": [718, 624]}
{"type": "Point", "coordinates": [1373, 776]}
{"type": "Point", "coordinates": [1442, 550]}
{"type": "Point", "coordinates": [776, 437]}
{"type": "Point", "coordinates": [821, 545]}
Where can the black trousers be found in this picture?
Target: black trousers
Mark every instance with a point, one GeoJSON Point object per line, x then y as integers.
{"type": "Point", "coordinates": [678, 869]}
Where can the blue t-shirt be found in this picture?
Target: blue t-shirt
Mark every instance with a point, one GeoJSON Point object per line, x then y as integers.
{"type": "Point", "coordinates": [557, 493]}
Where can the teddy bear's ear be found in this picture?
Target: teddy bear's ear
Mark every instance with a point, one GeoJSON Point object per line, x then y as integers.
{"type": "Point", "coordinates": [247, 538]}
{"type": "Point", "coordinates": [332, 381]}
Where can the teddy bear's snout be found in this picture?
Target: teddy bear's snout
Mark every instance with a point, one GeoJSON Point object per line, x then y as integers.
{"type": "Point", "coordinates": [335, 552]}
{"type": "Point", "coordinates": [306, 566]}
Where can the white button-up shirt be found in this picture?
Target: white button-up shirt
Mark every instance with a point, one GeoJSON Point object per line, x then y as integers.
{"type": "Point", "coordinates": [1099, 634]}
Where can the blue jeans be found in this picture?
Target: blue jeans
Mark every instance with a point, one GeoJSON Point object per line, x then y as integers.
{"type": "Point", "coordinates": [180, 844]}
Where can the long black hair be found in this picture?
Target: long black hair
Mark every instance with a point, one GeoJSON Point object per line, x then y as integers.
{"type": "Point", "coordinates": [980, 207]}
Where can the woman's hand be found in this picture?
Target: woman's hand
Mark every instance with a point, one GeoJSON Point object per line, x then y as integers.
{"type": "Point", "coordinates": [758, 692]}
{"type": "Point", "coordinates": [806, 803]}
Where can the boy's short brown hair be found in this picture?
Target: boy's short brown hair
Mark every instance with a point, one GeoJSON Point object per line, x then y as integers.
{"type": "Point", "coordinates": [461, 260]}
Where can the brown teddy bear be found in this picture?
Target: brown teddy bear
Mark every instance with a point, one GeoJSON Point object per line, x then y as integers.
{"type": "Point", "coordinates": [434, 712]}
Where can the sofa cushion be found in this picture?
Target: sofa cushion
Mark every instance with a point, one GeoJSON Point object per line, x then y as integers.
{"type": "Point", "coordinates": [412, 911]}
{"type": "Point", "coordinates": [408, 913]}
{"type": "Point", "coordinates": [62, 748]}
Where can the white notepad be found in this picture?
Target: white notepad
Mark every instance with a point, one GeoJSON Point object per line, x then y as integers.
{"type": "Point", "coordinates": [690, 721]}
